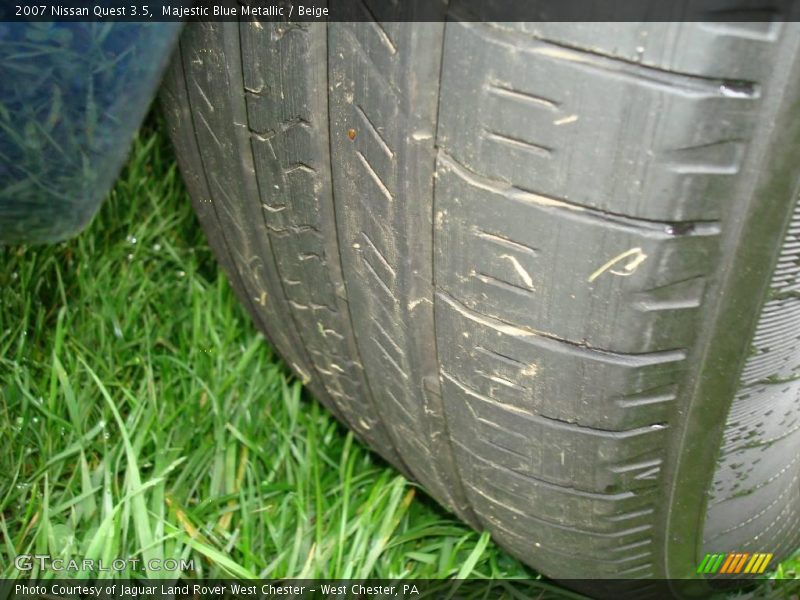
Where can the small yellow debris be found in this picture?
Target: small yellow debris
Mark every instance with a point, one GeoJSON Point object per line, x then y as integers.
{"type": "Point", "coordinates": [520, 270]}
{"type": "Point", "coordinates": [638, 257]}
{"type": "Point", "coordinates": [566, 120]}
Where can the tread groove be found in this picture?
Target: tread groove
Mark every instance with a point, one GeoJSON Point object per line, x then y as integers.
{"type": "Point", "coordinates": [470, 514]}
{"type": "Point", "coordinates": [674, 81]}
{"type": "Point", "coordinates": [375, 132]}
{"type": "Point", "coordinates": [659, 229]}
{"type": "Point", "coordinates": [379, 415]}
{"type": "Point", "coordinates": [518, 95]}
{"type": "Point", "coordinates": [558, 423]}
{"type": "Point", "coordinates": [520, 144]}
{"type": "Point", "coordinates": [375, 177]}
{"type": "Point", "coordinates": [642, 359]}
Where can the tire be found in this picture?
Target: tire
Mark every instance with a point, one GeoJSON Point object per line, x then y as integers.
{"type": "Point", "coordinates": [549, 271]}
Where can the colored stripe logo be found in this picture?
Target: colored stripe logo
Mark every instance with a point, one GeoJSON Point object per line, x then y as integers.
{"type": "Point", "coordinates": [735, 563]}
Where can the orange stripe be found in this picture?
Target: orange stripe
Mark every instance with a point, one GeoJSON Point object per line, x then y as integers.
{"type": "Point", "coordinates": [763, 566]}
{"type": "Point", "coordinates": [732, 568]}
{"type": "Point", "coordinates": [740, 564]}
{"type": "Point", "coordinates": [728, 562]}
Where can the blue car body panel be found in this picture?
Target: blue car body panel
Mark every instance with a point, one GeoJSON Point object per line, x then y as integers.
{"type": "Point", "coordinates": [72, 96]}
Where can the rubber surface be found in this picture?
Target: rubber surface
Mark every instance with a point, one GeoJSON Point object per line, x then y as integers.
{"type": "Point", "coordinates": [757, 475]}
{"type": "Point", "coordinates": [506, 257]}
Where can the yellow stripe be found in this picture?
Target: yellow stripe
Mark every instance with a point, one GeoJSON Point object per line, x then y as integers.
{"type": "Point", "coordinates": [765, 563]}
{"type": "Point", "coordinates": [753, 561]}
{"type": "Point", "coordinates": [757, 566]}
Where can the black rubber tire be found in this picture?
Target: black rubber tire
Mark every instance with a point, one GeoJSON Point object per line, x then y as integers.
{"type": "Point", "coordinates": [526, 264]}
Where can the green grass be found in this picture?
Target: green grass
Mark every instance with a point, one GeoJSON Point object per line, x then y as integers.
{"type": "Point", "coordinates": [143, 416]}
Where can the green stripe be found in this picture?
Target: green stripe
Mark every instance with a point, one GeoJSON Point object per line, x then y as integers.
{"type": "Point", "coordinates": [718, 564]}
{"type": "Point", "coordinates": [703, 564]}
{"type": "Point", "coordinates": [713, 563]}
